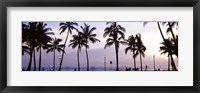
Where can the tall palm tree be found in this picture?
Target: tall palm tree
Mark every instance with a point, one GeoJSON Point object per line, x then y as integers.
{"type": "Point", "coordinates": [175, 38]}
{"type": "Point", "coordinates": [171, 25]}
{"type": "Point", "coordinates": [131, 42]}
{"type": "Point", "coordinates": [43, 39]}
{"type": "Point", "coordinates": [168, 48]}
{"type": "Point", "coordinates": [140, 48]}
{"type": "Point", "coordinates": [116, 37]}
{"type": "Point", "coordinates": [78, 42]}
{"type": "Point", "coordinates": [25, 47]}
{"type": "Point", "coordinates": [53, 46]}
{"type": "Point", "coordinates": [69, 26]}
{"type": "Point", "coordinates": [87, 34]}
{"type": "Point", "coordinates": [29, 37]}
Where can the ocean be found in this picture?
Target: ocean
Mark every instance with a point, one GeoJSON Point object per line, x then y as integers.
{"type": "Point", "coordinates": [95, 69]}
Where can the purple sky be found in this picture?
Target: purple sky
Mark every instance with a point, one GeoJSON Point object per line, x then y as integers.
{"type": "Point", "coordinates": [150, 35]}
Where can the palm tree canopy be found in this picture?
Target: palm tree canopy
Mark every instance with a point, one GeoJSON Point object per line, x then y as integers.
{"type": "Point", "coordinates": [113, 29]}
{"type": "Point", "coordinates": [140, 46]}
{"type": "Point", "coordinates": [170, 25]}
{"type": "Point", "coordinates": [68, 25]}
{"type": "Point", "coordinates": [29, 34]}
{"type": "Point", "coordinates": [168, 47]}
{"type": "Point", "coordinates": [78, 41]}
{"type": "Point", "coordinates": [55, 44]}
{"type": "Point", "coordinates": [115, 33]}
{"type": "Point", "coordinates": [87, 33]}
{"type": "Point", "coordinates": [35, 33]}
{"type": "Point", "coordinates": [42, 36]}
{"type": "Point", "coordinates": [131, 44]}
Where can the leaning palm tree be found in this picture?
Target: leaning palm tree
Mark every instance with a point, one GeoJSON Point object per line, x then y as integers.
{"type": "Point", "coordinates": [140, 48]}
{"type": "Point", "coordinates": [167, 47]}
{"type": "Point", "coordinates": [131, 42]}
{"type": "Point", "coordinates": [69, 26]}
{"type": "Point", "coordinates": [87, 34]}
{"type": "Point", "coordinates": [43, 39]}
{"type": "Point", "coordinates": [53, 46]}
{"type": "Point", "coordinates": [78, 42]}
{"type": "Point", "coordinates": [175, 38]}
{"type": "Point", "coordinates": [116, 36]}
{"type": "Point", "coordinates": [170, 26]}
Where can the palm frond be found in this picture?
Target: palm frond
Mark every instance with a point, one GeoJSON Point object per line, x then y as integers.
{"type": "Point", "coordinates": [108, 44]}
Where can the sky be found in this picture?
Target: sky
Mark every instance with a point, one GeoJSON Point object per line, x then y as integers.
{"type": "Point", "coordinates": [150, 36]}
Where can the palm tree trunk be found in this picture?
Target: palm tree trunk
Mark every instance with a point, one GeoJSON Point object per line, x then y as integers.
{"type": "Point", "coordinates": [30, 60]}
{"type": "Point", "coordinates": [161, 32]}
{"type": "Point", "coordinates": [170, 27]}
{"type": "Point", "coordinates": [173, 64]}
{"type": "Point", "coordinates": [168, 63]}
{"type": "Point", "coordinates": [54, 60]}
{"type": "Point", "coordinates": [34, 60]}
{"type": "Point", "coordinates": [63, 51]}
{"type": "Point", "coordinates": [87, 60]}
{"type": "Point", "coordinates": [117, 63]}
{"type": "Point", "coordinates": [134, 64]}
{"type": "Point", "coordinates": [141, 61]}
{"type": "Point", "coordinates": [78, 59]}
{"type": "Point", "coordinates": [40, 58]}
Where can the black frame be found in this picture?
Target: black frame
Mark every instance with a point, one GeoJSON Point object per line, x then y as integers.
{"type": "Point", "coordinates": [100, 3]}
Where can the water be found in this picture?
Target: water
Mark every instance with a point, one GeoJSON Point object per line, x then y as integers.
{"type": "Point", "coordinates": [93, 69]}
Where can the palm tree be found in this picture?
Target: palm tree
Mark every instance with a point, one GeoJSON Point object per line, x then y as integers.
{"type": "Point", "coordinates": [25, 47]}
{"type": "Point", "coordinates": [131, 42]}
{"type": "Point", "coordinates": [171, 25]}
{"type": "Point", "coordinates": [69, 26]}
{"type": "Point", "coordinates": [43, 39]}
{"type": "Point", "coordinates": [29, 37]}
{"type": "Point", "coordinates": [140, 48]}
{"type": "Point", "coordinates": [116, 35]}
{"type": "Point", "coordinates": [168, 48]}
{"type": "Point", "coordinates": [175, 38]}
{"type": "Point", "coordinates": [88, 36]}
{"type": "Point", "coordinates": [78, 42]}
{"type": "Point", "coordinates": [53, 46]}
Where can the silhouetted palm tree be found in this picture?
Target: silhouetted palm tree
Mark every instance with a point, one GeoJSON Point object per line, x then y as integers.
{"type": "Point", "coordinates": [169, 29]}
{"type": "Point", "coordinates": [78, 42]}
{"type": "Point", "coordinates": [131, 42]}
{"type": "Point", "coordinates": [171, 25]}
{"type": "Point", "coordinates": [25, 47]}
{"type": "Point", "coordinates": [43, 39]}
{"type": "Point", "coordinates": [116, 37]}
{"type": "Point", "coordinates": [69, 26]}
{"type": "Point", "coordinates": [29, 37]}
{"type": "Point", "coordinates": [87, 35]}
{"type": "Point", "coordinates": [140, 48]}
{"type": "Point", "coordinates": [55, 45]}
{"type": "Point", "coordinates": [168, 48]}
